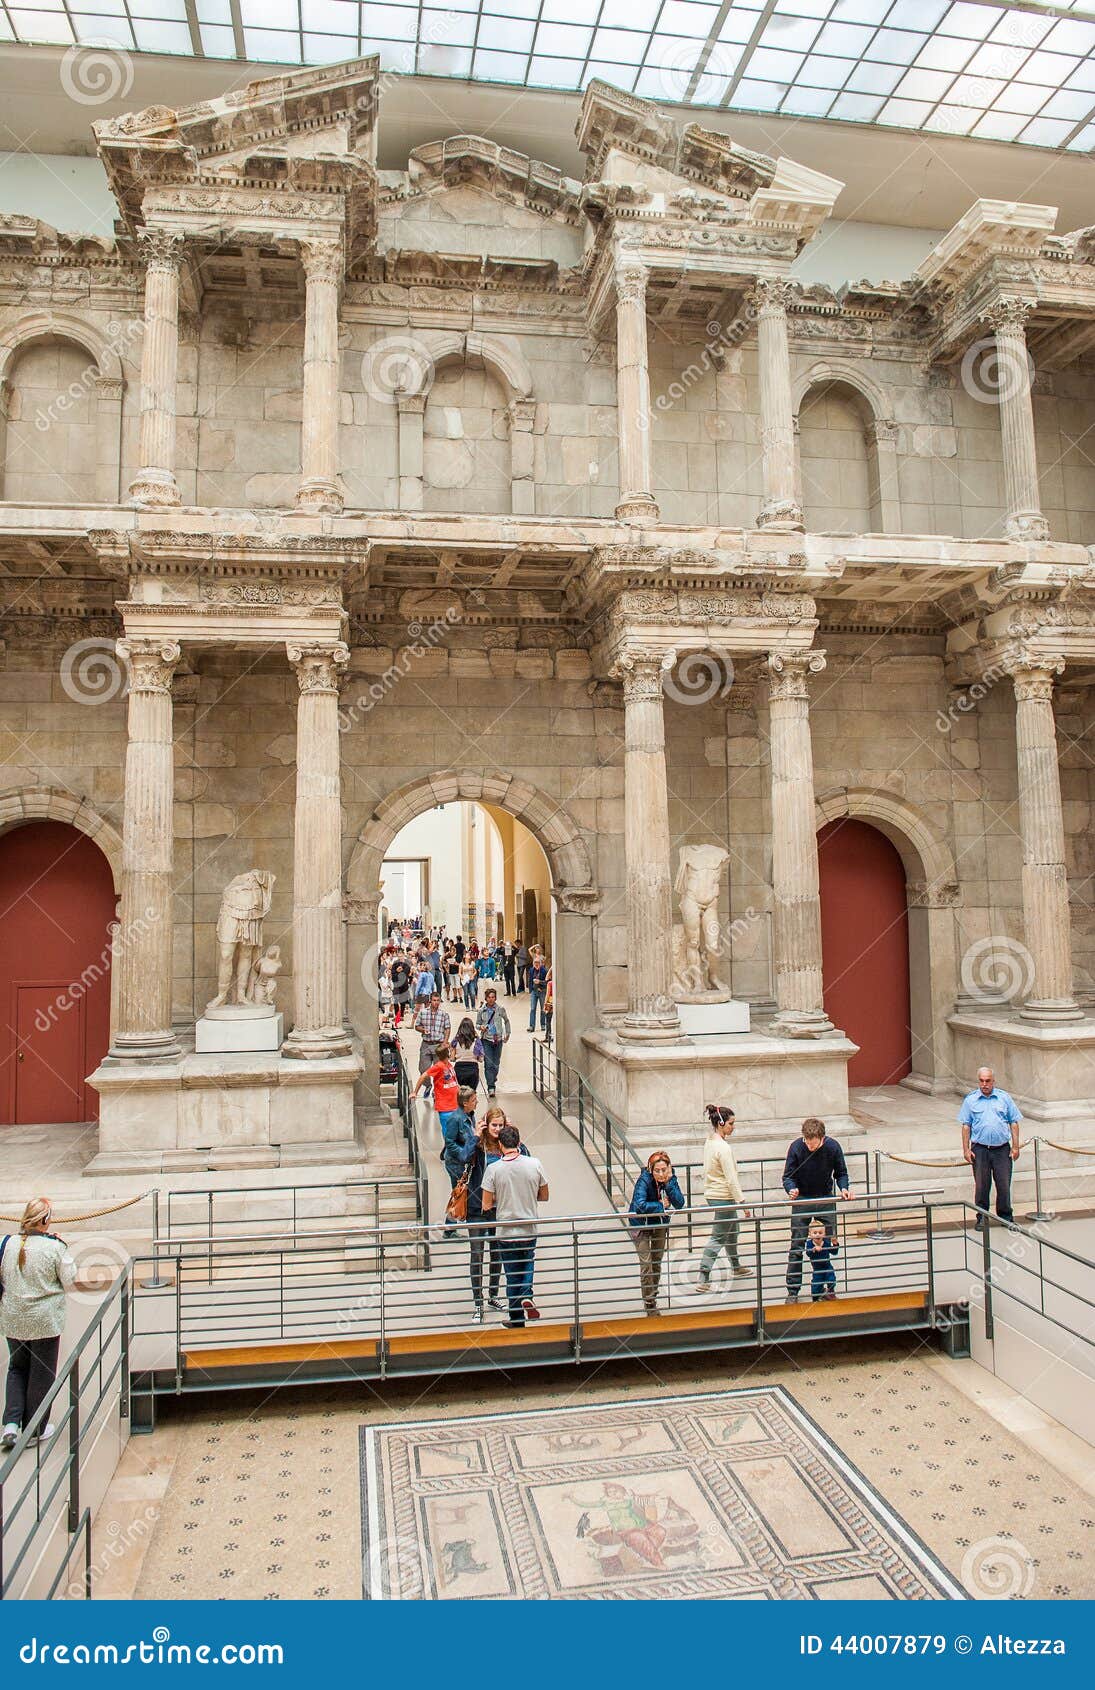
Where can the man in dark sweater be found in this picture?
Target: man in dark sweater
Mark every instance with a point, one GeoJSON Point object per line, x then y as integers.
{"type": "Point", "coordinates": [814, 1165]}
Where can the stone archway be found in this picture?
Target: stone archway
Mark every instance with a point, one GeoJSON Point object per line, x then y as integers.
{"type": "Point", "coordinates": [47, 803]}
{"type": "Point", "coordinates": [875, 405]}
{"type": "Point", "coordinates": [109, 384]}
{"type": "Point", "coordinates": [574, 891]}
{"type": "Point", "coordinates": [931, 879]}
{"type": "Point", "coordinates": [502, 357]}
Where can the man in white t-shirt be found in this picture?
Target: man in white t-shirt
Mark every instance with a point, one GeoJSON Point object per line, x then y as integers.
{"type": "Point", "coordinates": [512, 1189]}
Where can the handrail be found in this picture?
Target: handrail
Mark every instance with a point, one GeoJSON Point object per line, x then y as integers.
{"type": "Point", "coordinates": [74, 1423]}
{"type": "Point", "coordinates": [408, 1114]}
{"type": "Point", "coordinates": [259, 1193]}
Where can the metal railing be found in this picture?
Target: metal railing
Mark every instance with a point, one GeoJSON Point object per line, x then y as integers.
{"type": "Point", "coordinates": [567, 1093]}
{"type": "Point", "coordinates": [1034, 1272]}
{"type": "Point", "coordinates": [300, 1209]}
{"type": "Point", "coordinates": [43, 1511]}
{"type": "Point", "coordinates": [408, 1115]}
{"type": "Point", "coordinates": [587, 1272]}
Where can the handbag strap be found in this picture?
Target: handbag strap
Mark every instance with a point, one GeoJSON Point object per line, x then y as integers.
{"type": "Point", "coordinates": [4, 1242]}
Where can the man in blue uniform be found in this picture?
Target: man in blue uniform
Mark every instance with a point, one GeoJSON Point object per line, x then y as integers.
{"type": "Point", "coordinates": [990, 1143]}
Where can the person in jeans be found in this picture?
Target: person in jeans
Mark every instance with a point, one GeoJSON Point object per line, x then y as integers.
{"type": "Point", "coordinates": [512, 1189]}
{"type": "Point", "coordinates": [483, 1235]}
{"type": "Point", "coordinates": [820, 1250]}
{"type": "Point", "coordinates": [467, 1054]}
{"type": "Point", "coordinates": [492, 1024]}
{"type": "Point", "coordinates": [548, 1011]}
{"type": "Point", "coordinates": [814, 1165]}
{"type": "Point", "coordinates": [523, 960]}
{"type": "Point", "coordinates": [434, 1025]}
{"type": "Point", "coordinates": [990, 1143]}
{"type": "Point", "coordinates": [468, 975]}
{"type": "Point", "coordinates": [36, 1270]}
{"type": "Point", "coordinates": [722, 1189]}
{"type": "Point", "coordinates": [656, 1193]}
{"type": "Point", "coordinates": [537, 989]}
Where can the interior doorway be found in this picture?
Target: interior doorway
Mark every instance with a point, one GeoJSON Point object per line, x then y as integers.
{"type": "Point", "coordinates": [57, 902]}
{"type": "Point", "coordinates": [865, 948]}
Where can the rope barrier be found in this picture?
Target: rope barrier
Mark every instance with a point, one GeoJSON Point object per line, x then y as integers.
{"type": "Point", "coordinates": [1071, 1149]}
{"type": "Point", "coordinates": [960, 1162]}
{"type": "Point", "coordinates": [93, 1215]}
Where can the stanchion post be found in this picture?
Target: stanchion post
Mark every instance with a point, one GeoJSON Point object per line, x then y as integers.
{"type": "Point", "coordinates": [1039, 1214]}
{"type": "Point", "coordinates": [881, 1234]}
{"type": "Point", "coordinates": [156, 1283]}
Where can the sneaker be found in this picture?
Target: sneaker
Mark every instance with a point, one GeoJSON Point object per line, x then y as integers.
{"type": "Point", "coordinates": [10, 1436]}
{"type": "Point", "coordinates": [496, 1302]}
{"type": "Point", "coordinates": [830, 1297]}
{"type": "Point", "coordinates": [792, 1296]}
{"type": "Point", "coordinates": [531, 1311]}
{"type": "Point", "coordinates": [43, 1435]}
{"type": "Point", "coordinates": [490, 1094]}
{"type": "Point", "coordinates": [479, 1316]}
{"type": "Point", "coordinates": [703, 1285]}
{"type": "Point", "coordinates": [742, 1273]}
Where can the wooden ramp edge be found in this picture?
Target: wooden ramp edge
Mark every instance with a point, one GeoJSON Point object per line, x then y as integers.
{"type": "Point", "coordinates": [264, 1355]}
{"type": "Point", "coordinates": [889, 1302]}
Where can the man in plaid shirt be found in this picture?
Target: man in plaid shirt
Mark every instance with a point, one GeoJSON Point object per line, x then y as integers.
{"type": "Point", "coordinates": [434, 1024]}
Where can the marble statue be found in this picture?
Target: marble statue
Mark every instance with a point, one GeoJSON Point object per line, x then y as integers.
{"type": "Point", "coordinates": [244, 906]}
{"type": "Point", "coordinates": [264, 976]}
{"type": "Point", "coordinates": [696, 938]}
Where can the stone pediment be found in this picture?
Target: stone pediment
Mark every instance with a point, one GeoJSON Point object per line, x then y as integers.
{"type": "Point", "coordinates": [615, 123]}
{"type": "Point", "coordinates": [471, 162]}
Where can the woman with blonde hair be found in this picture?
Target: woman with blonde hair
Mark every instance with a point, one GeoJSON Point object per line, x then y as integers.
{"type": "Point", "coordinates": [35, 1274]}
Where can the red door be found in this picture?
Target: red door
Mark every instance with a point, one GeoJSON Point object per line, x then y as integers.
{"type": "Point", "coordinates": [56, 904]}
{"type": "Point", "coordinates": [865, 948]}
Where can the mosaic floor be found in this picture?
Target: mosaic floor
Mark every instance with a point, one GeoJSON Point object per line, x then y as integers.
{"type": "Point", "coordinates": [260, 1499]}
{"type": "Point", "coordinates": [734, 1495]}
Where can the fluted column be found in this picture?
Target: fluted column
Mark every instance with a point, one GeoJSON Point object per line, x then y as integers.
{"type": "Point", "coordinates": [651, 1011]}
{"type": "Point", "coordinates": [154, 483]}
{"type": "Point", "coordinates": [142, 945]}
{"type": "Point", "coordinates": [319, 960]}
{"type": "Point", "coordinates": [637, 503]}
{"type": "Point", "coordinates": [781, 507]}
{"type": "Point", "coordinates": [323, 269]}
{"type": "Point", "coordinates": [1045, 881]}
{"type": "Point", "coordinates": [1023, 519]}
{"type": "Point", "coordinates": [799, 995]}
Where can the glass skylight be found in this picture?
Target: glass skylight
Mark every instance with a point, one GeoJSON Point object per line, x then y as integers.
{"type": "Point", "coordinates": [1021, 73]}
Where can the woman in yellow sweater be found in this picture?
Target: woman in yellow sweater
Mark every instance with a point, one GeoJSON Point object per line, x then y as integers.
{"type": "Point", "coordinates": [722, 1189]}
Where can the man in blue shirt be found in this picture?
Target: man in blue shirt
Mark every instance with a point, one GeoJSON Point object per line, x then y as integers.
{"type": "Point", "coordinates": [990, 1143]}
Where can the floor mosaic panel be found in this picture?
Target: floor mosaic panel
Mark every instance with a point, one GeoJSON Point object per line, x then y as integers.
{"type": "Point", "coordinates": [737, 1494]}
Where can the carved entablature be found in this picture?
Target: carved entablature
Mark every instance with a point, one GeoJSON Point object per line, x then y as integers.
{"type": "Point", "coordinates": [503, 172]}
{"type": "Point", "coordinates": [37, 632]}
{"type": "Point", "coordinates": [667, 622]}
{"type": "Point", "coordinates": [272, 552]}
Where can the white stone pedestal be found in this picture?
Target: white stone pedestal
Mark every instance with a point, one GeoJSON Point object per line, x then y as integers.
{"type": "Point", "coordinates": [712, 1020]}
{"type": "Point", "coordinates": [214, 1033]}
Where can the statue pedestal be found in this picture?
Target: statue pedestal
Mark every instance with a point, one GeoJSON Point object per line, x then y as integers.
{"type": "Point", "coordinates": [712, 1020]}
{"type": "Point", "coordinates": [239, 1027]}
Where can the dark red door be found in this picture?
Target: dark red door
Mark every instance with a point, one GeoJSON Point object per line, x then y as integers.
{"type": "Point", "coordinates": [865, 948]}
{"type": "Point", "coordinates": [56, 904]}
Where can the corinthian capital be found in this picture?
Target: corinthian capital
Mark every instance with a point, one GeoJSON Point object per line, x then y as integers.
{"type": "Point", "coordinates": [318, 666]}
{"type": "Point", "coordinates": [161, 249]}
{"type": "Point", "coordinates": [150, 662]}
{"type": "Point", "coordinates": [1008, 313]}
{"type": "Point", "coordinates": [322, 260]}
{"type": "Point", "coordinates": [641, 672]}
{"type": "Point", "coordinates": [773, 293]}
{"type": "Point", "coordinates": [789, 673]}
{"type": "Point", "coordinates": [630, 284]}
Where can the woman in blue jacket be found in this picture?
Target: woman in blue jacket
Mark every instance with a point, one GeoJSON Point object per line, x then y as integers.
{"type": "Point", "coordinates": [656, 1193]}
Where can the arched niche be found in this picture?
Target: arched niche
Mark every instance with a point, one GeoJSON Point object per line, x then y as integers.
{"type": "Point", "coordinates": [61, 388]}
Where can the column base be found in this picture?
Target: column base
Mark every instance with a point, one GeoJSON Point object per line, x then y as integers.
{"type": "Point", "coordinates": [144, 1047]}
{"type": "Point", "coordinates": [1026, 525]}
{"type": "Point", "coordinates": [154, 487]}
{"type": "Point", "coordinates": [650, 1029]}
{"type": "Point", "coordinates": [319, 498]}
{"type": "Point", "coordinates": [803, 1024]}
{"type": "Point", "coordinates": [783, 515]}
{"type": "Point", "coordinates": [1050, 1011]}
{"type": "Point", "coordinates": [638, 507]}
{"type": "Point", "coordinates": [317, 1044]}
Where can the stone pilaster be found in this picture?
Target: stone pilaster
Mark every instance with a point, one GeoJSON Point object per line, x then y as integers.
{"type": "Point", "coordinates": [319, 489]}
{"type": "Point", "coordinates": [651, 1011]}
{"type": "Point", "coordinates": [154, 483]}
{"type": "Point", "coordinates": [801, 1012]}
{"type": "Point", "coordinates": [363, 1001]}
{"type": "Point", "coordinates": [522, 417]}
{"type": "Point", "coordinates": [319, 960]}
{"type": "Point", "coordinates": [637, 503]}
{"type": "Point", "coordinates": [1045, 881]}
{"type": "Point", "coordinates": [142, 943]}
{"type": "Point", "coordinates": [781, 508]}
{"type": "Point", "coordinates": [411, 414]}
{"type": "Point", "coordinates": [1023, 519]}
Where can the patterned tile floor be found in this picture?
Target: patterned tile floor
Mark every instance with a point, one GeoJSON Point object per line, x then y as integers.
{"type": "Point", "coordinates": [261, 1499]}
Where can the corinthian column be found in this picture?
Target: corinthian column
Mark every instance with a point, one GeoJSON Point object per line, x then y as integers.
{"type": "Point", "coordinates": [794, 849]}
{"type": "Point", "coordinates": [142, 944]}
{"type": "Point", "coordinates": [319, 960]}
{"type": "Point", "coordinates": [637, 502]}
{"type": "Point", "coordinates": [323, 269]}
{"type": "Point", "coordinates": [651, 1011]}
{"type": "Point", "coordinates": [1041, 824]}
{"type": "Point", "coordinates": [781, 508]}
{"type": "Point", "coordinates": [154, 483]}
{"type": "Point", "coordinates": [1023, 519]}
